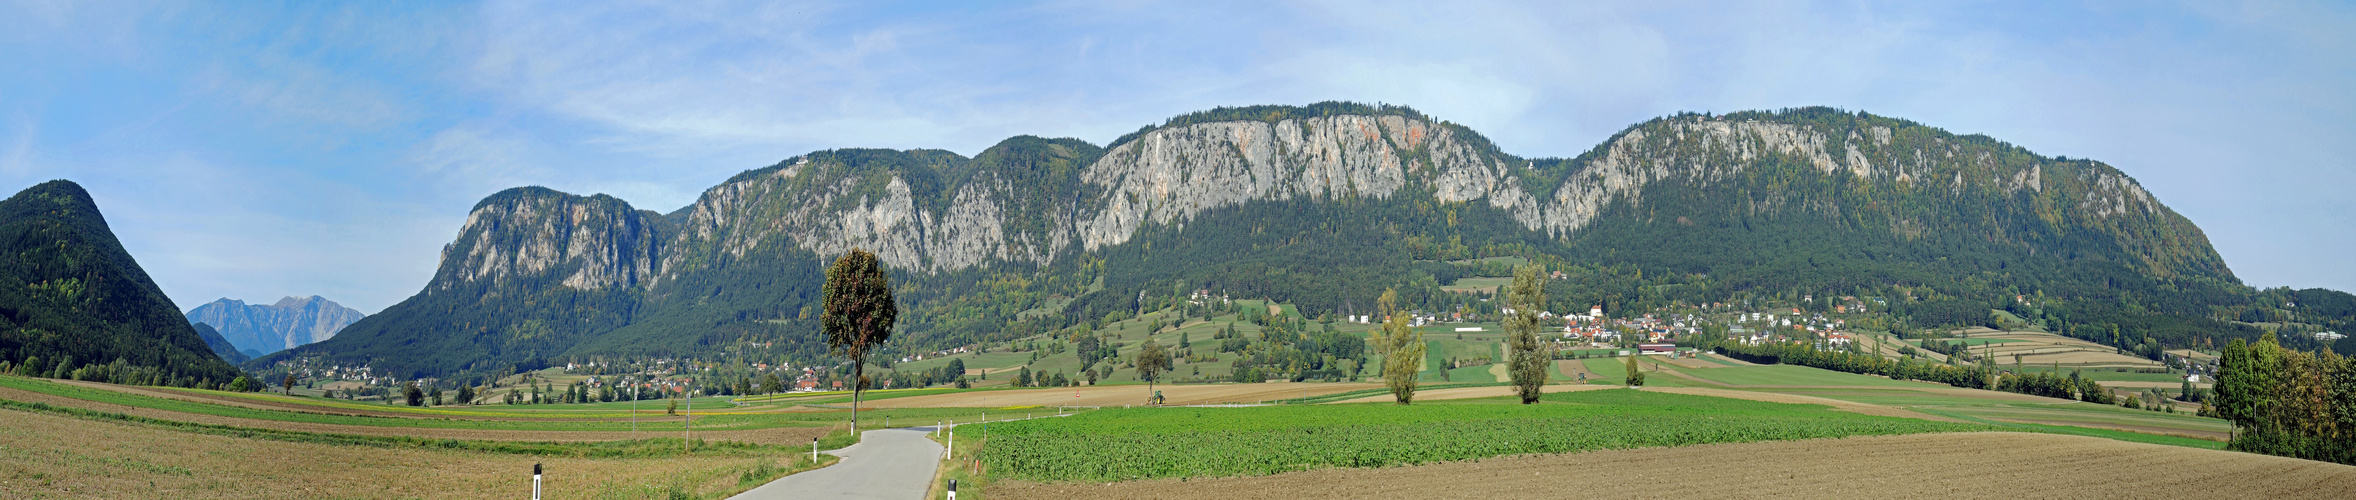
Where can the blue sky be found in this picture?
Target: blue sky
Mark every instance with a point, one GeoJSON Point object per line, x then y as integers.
{"type": "Point", "coordinates": [252, 151]}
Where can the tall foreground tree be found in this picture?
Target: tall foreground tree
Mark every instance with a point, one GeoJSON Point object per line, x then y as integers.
{"type": "Point", "coordinates": [1151, 362]}
{"type": "Point", "coordinates": [1526, 362]}
{"type": "Point", "coordinates": [1402, 348]}
{"type": "Point", "coordinates": [859, 312]}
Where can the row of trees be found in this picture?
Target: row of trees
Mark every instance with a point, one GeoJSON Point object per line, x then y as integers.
{"type": "Point", "coordinates": [1403, 348]}
{"type": "Point", "coordinates": [119, 372]}
{"type": "Point", "coordinates": [2287, 402]}
{"type": "Point", "coordinates": [1975, 377]}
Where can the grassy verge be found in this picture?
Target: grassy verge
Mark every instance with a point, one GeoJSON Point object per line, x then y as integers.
{"type": "Point", "coordinates": [961, 466]}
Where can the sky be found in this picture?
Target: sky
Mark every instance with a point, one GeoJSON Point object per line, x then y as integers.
{"type": "Point", "coordinates": [255, 150]}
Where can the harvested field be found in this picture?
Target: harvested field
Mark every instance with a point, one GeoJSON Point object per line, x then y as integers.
{"type": "Point", "coordinates": [295, 406]}
{"type": "Point", "coordinates": [1571, 369]}
{"type": "Point", "coordinates": [1691, 363]}
{"type": "Point", "coordinates": [51, 456]}
{"type": "Point", "coordinates": [784, 435]}
{"type": "Point", "coordinates": [2001, 464]}
{"type": "Point", "coordinates": [1122, 395]}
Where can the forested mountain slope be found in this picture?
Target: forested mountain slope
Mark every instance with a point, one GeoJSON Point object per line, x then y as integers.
{"type": "Point", "coordinates": [70, 296]}
{"type": "Point", "coordinates": [220, 345]}
{"type": "Point", "coordinates": [1322, 206]}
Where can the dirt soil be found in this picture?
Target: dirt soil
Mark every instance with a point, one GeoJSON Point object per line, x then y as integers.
{"type": "Point", "coordinates": [1572, 368]}
{"type": "Point", "coordinates": [1121, 395]}
{"type": "Point", "coordinates": [785, 435]}
{"type": "Point", "coordinates": [1982, 465]}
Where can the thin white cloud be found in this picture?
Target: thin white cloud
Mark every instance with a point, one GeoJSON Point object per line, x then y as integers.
{"type": "Point", "coordinates": [475, 159]}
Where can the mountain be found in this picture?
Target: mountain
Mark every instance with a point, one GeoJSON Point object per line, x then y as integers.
{"type": "Point", "coordinates": [1322, 206]}
{"type": "Point", "coordinates": [271, 328]}
{"type": "Point", "coordinates": [69, 294]}
{"type": "Point", "coordinates": [220, 346]}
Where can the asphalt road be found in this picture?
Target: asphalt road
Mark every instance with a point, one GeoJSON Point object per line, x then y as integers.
{"type": "Point", "coordinates": [893, 464]}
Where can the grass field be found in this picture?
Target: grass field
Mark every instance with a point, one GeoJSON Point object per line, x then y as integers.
{"type": "Point", "coordinates": [1483, 285]}
{"type": "Point", "coordinates": [1125, 444]}
{"type": "Point", "coordinates": [1792, 375]}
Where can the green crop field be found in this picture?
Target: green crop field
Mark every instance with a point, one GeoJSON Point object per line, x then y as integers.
{"type": "Point", "coordinates": [1125, 444]}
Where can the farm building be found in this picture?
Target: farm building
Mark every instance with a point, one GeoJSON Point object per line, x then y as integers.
{"type": "Point", "coordinates": [1656, 348]}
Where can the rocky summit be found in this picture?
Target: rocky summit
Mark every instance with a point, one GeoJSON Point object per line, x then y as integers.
{"type": "Point", "coordinates": [268, 328]}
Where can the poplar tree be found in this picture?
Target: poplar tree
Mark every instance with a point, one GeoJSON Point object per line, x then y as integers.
{"type": "Point", "coordinates": [1635, 374]}
{"type": "Point", "coordinates": [1526, 364]}
{"type": "Point", "coordinates": [1402, 347]}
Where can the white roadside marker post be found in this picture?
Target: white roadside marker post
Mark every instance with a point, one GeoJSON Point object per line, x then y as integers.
{"type": "Point", "coordinates": [813, 451]}
{"type": "Point", "coordinates": [535, 481]}
{"type": "Point", "coordinates": [952, 489]}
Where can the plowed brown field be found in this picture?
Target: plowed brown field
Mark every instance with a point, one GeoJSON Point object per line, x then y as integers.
{"type": "Point", "coordinates": [1970, 465]}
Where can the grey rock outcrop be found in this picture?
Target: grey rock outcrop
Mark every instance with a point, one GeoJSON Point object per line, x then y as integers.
{"type": "Point", "coordinates": [289, 323]}
{"type": "Point", "coordinates": [950, 217]}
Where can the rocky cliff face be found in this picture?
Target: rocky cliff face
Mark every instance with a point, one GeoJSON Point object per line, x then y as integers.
{"type": "Point", "coordinates": [525, 235]}
{"type": "Point", "coordinates": [289, 323]}
{"type": "Point", "coordinates": [901, 207]}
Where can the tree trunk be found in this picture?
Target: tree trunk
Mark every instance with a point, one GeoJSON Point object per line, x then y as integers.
{"type": "Point", "coordinates": [858, 385]}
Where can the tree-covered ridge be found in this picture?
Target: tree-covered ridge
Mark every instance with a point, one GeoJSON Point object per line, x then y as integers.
{"type": "Point", "coordinates": [71, 297]}
{"type": "Point", "coordinates": [1865, 171]}
{"type": "Point", "coordinates": [220, 345]}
